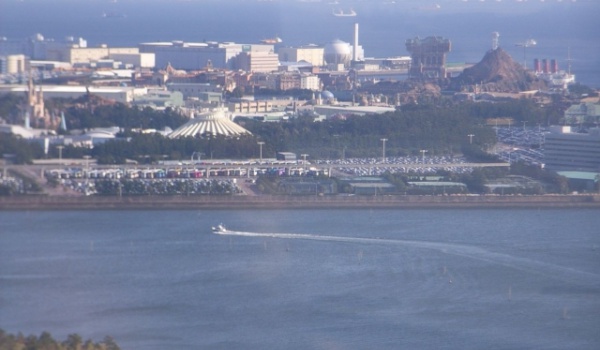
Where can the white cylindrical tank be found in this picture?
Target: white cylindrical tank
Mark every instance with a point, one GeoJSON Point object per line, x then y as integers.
{"type": "Point", "coordinates": [338, 52]}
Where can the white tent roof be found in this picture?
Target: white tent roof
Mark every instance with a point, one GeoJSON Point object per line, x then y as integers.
{"type": "Point", "coordinates": [215, 123]}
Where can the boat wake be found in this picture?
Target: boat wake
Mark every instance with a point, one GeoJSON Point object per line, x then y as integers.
{"type": "Point", "coordinates": [467, 251]}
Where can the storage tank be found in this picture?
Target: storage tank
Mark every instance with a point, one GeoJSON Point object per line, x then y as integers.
{"type": "Point", "coordinates": [338, 52]}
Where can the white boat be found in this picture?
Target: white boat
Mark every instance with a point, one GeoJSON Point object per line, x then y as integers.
{"type": "Point", "coordinates": [272, 41]}
{"type": "Point", "coordinates": [220, 228]}
{"type": "Point", "coordinates": [341, 13]}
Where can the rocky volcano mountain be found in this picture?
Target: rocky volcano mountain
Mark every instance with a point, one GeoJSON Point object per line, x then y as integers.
{"type": "Point", "coordinates": [497, 72]}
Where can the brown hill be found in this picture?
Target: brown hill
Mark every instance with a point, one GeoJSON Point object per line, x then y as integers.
{"type": "Point", "coordinates": [497, 72]}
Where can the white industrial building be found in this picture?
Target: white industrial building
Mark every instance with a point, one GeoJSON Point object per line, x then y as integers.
{"type": "Point", "coordinates": [123, 94]}
{"type": "Point", "coordinates": [195, 56]}
{"type": "Point", "coordinates": [346, 110]}
{"type": "Point", "coordinates": [312, 54]}
{"type": "Point", "coordinates": [141, 60]}
{"type": "Point", "coordinates": [13, 64]}
{"type": "Point", "coordinates": [76, 55]}
{"type": "Point", "coordinates": [37, 47]}
{"type": "Point", "coordinates": [257, 62]}
{"type": "Point", "coordinates": [193, 90]}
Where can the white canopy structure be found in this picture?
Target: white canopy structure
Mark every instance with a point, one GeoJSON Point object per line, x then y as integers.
{"type": "Point", "coordinates": [214, 123]}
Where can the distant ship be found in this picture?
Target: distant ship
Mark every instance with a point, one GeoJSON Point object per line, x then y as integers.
{"type": "Point", "coordinates": [275, 40]}
{"type": "Point", "coordinates": [113, 15]}
{"type": "Point", "coordinates": [435, 7]}
{"type": "Point", "coordinates": [559, 79]}
{"type": "Point", "coordinates": [341, 13]}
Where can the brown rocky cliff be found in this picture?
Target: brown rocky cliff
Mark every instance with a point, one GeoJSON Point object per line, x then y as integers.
{"type": "Point", "coordinates": [498, 72]}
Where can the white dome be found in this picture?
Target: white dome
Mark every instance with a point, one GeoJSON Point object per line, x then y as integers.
{"type": "Point", "coordinates": [215, 123]}
{"type": "Point", "coordinates": [338, 52]}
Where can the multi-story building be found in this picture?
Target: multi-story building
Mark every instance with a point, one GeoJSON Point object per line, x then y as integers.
{"type": "Point", "coordinates": [39, 48]}
{"type": "Point", "coordinates": [570, 151]}
{"type": "Point", "coordinates": [310, 82]}
{"type": "Point", "coordinates": [428, 56]}
{"type": "Point", "coordinates": [159, 99]}
{"type": "Point", "coordinates": [250, 106]}
{"type": "Point", "coordinates": [313, 54]}
{"type": "Point", "coordinates": [140, 60]}
{"type": "Point", "coordinates": [194, 90]}
{"type": "Point", "coordinates": [258, 61]}
{"type": "Point", "coordinates": [262, 81]}
{"type": "Point", "coordinates": [289, 81]}
{"type": "Point", "coordinates": [299, 81]}
{"type": "Point", "coordinates": [122, 94]}
{"type": "Point", "coordinates": [75, 55]}
{"type": "Point", "coordinates": [196, 56]}
{"type": "Point", "coordinates": [13, 64]}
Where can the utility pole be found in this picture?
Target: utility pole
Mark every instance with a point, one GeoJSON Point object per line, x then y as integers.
{"type": "Point", "coordinates": [423, 151]}
{"type": "Point", "coordinates": [304, 155]}
{"type": "Point", "coordinates": [60, 148]}
{"type": "Point", "coordinates": [471, 138]}
{"type": "Point", "coordinates": [383, 150]}
{"type": "Point", "coordinates": [260, 144]}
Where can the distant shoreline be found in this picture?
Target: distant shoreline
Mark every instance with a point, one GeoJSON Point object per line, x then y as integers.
{"type": "Point", "coordinates": [43, 202]}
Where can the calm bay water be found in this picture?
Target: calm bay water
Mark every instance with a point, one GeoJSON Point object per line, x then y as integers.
{"type": "Point", "coordinates": [558, 27]}
{"type": "Point", "coordinates": [322, 279]}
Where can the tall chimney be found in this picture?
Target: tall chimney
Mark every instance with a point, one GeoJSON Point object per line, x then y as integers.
{"type": "Point", "coordinates": [553, 66]}
{"type": "Point", "coordinates": [355, 48]}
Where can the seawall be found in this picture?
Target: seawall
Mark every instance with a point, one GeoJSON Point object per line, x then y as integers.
{"type": "Point", "coordinates": [32, 202]}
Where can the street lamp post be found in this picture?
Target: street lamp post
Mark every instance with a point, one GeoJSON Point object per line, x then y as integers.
{"type": "Point", "coordinates": [470, 138]}
{"type": "Point", "coordinates": [60, 148]}
{"type": "Point", "coordinates": [423, 151]}
{"type": "Point", "coordinates": [510, 155]}
{"type": "Point", "coordinates": [260, 144]}
{"type": "Point", "coordinates": [87, 164]}
{"type": "Point", "coordinates": [199, 154]}
{"type": "Point", "coordinates": [304, 155]}
{"type": "Point", "coordinates": [87, 173]}
{"type": "Point", "coordinates": [383, 150]}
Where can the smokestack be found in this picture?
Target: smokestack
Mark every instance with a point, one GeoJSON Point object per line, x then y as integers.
{"type": "Point", "coordinates": [537, 66]}
{"type": "Point", "coordinates": [546, 66]}
{"type": "Point", "coordinates": [355, 48]}
{"type": "Point", "coordinates": [553, 66]}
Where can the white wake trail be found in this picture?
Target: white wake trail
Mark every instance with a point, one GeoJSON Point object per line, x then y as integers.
{"type": "Point", "coordinates": [472, 252]}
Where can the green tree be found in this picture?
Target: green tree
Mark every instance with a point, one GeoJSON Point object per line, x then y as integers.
{"type": "Point", "coordinates": [238, 92]}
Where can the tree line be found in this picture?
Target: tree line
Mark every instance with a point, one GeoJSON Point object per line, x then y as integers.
{"type": "Point", "coordinates": [439, 129]}
{"type": "Point", "coordinates": [45, 341]}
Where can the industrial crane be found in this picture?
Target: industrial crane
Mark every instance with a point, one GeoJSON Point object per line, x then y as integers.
{"type": "Point", "coordinates": [525, 45]}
